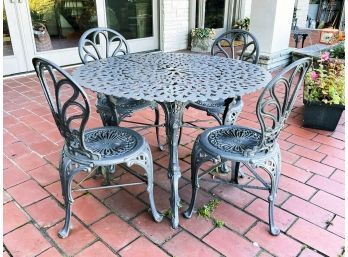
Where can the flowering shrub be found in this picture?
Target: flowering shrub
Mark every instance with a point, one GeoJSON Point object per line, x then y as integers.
{"type": "Point", "coordinates": [325, 83]}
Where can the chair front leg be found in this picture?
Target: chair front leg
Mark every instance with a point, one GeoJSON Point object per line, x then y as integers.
{"type": "Point", "coordinates": [272, 165]}
{"type": "Point", "coordinates": [144, 160]}
{"type": "Point", "coordinates": [198, 157]}
{"type": "Point", "coordinates": [67, 172]}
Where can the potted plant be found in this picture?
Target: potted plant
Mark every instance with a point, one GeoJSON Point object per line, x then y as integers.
{"type": "Point", "coordinates": [202, 39]}
{"type": "Point", "coordinates": [242, 24]}
{"type": "Point", "coordinates": [323, 93]}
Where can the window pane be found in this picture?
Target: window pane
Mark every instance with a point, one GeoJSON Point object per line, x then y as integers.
{"type": "Point", "coordinates": [6, 36]}
{"type": "Point", "coordinates": [133, 19]}
{"type": "Point", "coordinates": [60, 23]}
{"type": "Point", "coordinates": [214, 14]}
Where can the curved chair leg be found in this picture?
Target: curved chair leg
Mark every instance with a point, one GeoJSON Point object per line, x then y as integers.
{"type": "Point", "coordinates": [198, 157]}
{"type": "Point", "coordinates": [66, 177]}
{"type": "Point", "coordinates": [144, 159]}
{"type": "Point", "coordinates": [157, 121]}
{"type": "Point", "coordinates": [273, 169]}
{"type": "Point", "coordinates": [271, 199]}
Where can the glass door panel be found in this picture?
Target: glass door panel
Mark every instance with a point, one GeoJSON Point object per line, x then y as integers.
{"type": "Point", "coordinates": [58, 24]}
{"type": "Point", "coordinates": [133, 19]}
{"type": "Point", "coordinates": [214, 14]}
{"type": "Point", "coordinates": [6, 37]}
{"type": "Point", "coordinates": [13, 54]}
{"type": "Point", "coordinates": [136, 20]}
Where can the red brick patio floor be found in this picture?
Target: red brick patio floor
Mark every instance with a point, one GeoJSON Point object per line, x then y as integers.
{"type": "Point", "coordinates": [310, 202]}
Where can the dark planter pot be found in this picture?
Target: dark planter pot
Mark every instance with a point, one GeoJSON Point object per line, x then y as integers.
{"type": "Point", "coordinates": [323, 116]}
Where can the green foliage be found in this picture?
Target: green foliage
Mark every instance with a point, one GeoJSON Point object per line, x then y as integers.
{"type": "Point", "coordinates": [242, 24]}
{"type": "Point", "coordinates": [218, 223]}
{"type": "Point", "coordinates": [325, 82]}
{"type": "Point", "coordinates": [202, 33]}
{"type": "Point", "coordinates": [206, 210]}
{"type": "Point", "coordinates": [39, 9]}
{"type": "Point", "coordinates": [167, 213]}
{"type": "Point", "coordinates": [338, 51]}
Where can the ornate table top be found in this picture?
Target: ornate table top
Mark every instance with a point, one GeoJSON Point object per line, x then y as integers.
{"type": "Point", "coordinates": [169, 77]}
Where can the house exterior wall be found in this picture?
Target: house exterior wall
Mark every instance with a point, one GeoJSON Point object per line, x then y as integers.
{"type": "Point", "coordinates": [246, 8]}
{"type": "Point", "coordinates": [174, 25]}
{"type": "Point", "coordinates": [301, 14]}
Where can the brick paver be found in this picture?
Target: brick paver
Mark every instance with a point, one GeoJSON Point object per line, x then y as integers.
{"type": "Point", "coordinates": [310, 199]}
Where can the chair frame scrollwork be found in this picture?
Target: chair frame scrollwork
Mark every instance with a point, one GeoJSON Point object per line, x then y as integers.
{"type": "Point", "coordinates": [113, 110]}
{"type": "Point", "coordinates": [72, 108]}
{"type": "Point", "coordinates": [273, 108]}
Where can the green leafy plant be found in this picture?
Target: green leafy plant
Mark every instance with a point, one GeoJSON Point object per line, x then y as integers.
{"type": "Point", "coordinates": [218, 223]}
{"type": "Point", "coordinates": [242, 24]}
{"type": "Point", "coordinates": [202, 38]}
{"type": "Point", "coordinates": [206, 210]}
{"type": "Point", "coordinates": [338, 51]}
{"type": "Point", "coordinates": [325, 81]}
{"type": "Point", "coordinates": [202, 33]}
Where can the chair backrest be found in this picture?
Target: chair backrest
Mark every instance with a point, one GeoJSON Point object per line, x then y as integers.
{"type": "Point", "coordinates": [100, 43]}
{"type": "Point", "coordinates": [237, 44]}
{"type": "Point", "coordinates": [277, 100]}
{"type": "Point", "coordinates": [68, 103]}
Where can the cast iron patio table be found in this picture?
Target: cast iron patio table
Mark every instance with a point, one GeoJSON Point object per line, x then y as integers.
{"type": "Point", "coordinates": [172, 80]}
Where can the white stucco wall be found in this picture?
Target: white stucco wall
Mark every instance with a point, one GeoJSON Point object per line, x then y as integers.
{"type": "Point", "coordinates": [175, 24]}
{"type": "Point", "coordinates": [270, 22]}
{"type": "Point", "coordinates": [301, 14]}
{"type": "Point", "coordinates": [246, 8]}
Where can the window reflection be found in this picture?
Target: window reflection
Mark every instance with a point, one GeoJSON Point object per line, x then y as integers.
{"type": "Point", "coordinates": [6, 38]}
{"type": "Point", "coordinates": [132, 18]}
{"type": "Point", "coordinates": [214, 13]}
{"type": "Point", "coordinates": [60, 23]}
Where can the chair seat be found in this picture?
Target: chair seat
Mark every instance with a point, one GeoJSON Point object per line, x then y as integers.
{"type": "Point", "coordinates": [112, 144]}
{"type": "Point", "coordinates": [230, 141]}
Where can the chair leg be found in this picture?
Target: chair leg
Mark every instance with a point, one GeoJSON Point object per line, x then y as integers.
{"type": "Point", "coordinates": [144, 159]}
{"type": "Point", "coordinates": [66, 176]}
{"type": "Point", "coordinates": [157, 121]}
{"type": "Point", "coordinates": [235, 172]}
{"type": "Point", "coordinates": [272, 196]}
{"type": "Point", "coordinates": [198, 157]}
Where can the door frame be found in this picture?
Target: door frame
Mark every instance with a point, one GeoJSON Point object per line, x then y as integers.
{"type": "Point", "coordinates": [232, 13]}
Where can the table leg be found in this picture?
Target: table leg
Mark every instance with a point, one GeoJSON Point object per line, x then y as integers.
{"type": "Point", "coordinates": [173, 121]}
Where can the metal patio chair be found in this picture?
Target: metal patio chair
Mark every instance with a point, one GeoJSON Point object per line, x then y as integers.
{"type": "Point", "coordinates": [256, 149]}
{"type": "Point", "coordinates": [99, 43]}
{"type": "Point", "coordinates": [237, 44]}
{"type": "Point", "coordinates": [85, 150]}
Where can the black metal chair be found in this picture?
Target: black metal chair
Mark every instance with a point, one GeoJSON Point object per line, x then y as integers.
{"type": "Point", "coordinates": [85, 150]}
{"type": "Point", "coordinates": [99, 43]}
{"type": "Point", "coordinates": [236, 44]}
{"type": "Point", "coordinates": [254, 148]}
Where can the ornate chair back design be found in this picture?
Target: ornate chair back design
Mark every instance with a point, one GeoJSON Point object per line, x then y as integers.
{"type": "Point", "coordinates": [100, 43]}
{"type": "Point", "coordinates": [277, 100]}
{"type": "Point", "coordinates": [68, 103]}
{"type": "Point", "coordinates": [237, 44]}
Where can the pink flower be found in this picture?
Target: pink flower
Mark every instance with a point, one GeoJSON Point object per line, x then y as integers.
{"type": "Point", "coordinates": [325, 56]}
{"type": "Point", "coordinates": [314, 75]}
